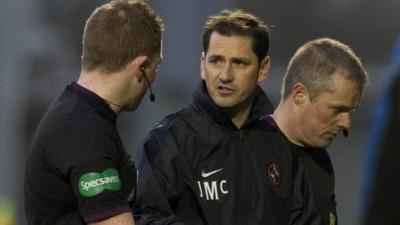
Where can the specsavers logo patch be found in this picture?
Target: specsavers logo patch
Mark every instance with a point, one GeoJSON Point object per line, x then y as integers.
{"type": "Point", "coordinates": [91, 184]}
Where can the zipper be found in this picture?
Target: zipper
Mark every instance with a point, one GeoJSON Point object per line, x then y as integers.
{"type": "Point", "coordinates": [245, 208]}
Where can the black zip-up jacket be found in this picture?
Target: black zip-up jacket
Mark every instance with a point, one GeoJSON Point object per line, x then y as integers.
{"type": "Point", "coordinates": [382, 168]}
{"type": "Point", "coordinates": [196, 167]}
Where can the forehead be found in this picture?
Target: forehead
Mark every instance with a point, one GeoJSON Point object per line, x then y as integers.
{"type": "Point", "coordinates": [230, 45]}
{"type": "Point", "coordinates": [346, 92]}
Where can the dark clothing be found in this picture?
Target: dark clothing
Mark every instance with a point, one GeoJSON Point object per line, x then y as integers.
{"type": "Point", "coordinates": [313, 197]}
{"type": "Point", "coordinates": [78, 170]}
{"type": "Point", "coordinates": [196, 167]}
{"type": "Point", "coordinates": [382, 194]}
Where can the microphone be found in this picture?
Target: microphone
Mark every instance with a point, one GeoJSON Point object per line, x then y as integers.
{"type": "Point", "coordinates": [152, 97]}
{"type": "Point", "coordinates": [345, 132]}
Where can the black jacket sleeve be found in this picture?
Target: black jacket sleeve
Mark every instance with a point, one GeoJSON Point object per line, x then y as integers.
{"type": "Point", "coordinates": [157, 187]}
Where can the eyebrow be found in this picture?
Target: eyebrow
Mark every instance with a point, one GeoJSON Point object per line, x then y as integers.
{"type": "Point", "coordinates": [234, 59]}
{"type": "Point", "coordinates": [215, 57]}
{"type": "Point", "coordinates": [239, 59]}
{"type": "Point", "coordinates": [343, 108]}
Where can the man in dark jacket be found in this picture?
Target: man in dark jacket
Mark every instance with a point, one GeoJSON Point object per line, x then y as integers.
{"type": "Point", "coordinates": [215, 162]}
{"type": "Point", "coordinates": [323, 83]}
{"type": "Point", "coordinates": [381, 184]}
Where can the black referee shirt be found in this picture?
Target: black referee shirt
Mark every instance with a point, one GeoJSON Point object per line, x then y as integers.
{"type": "Point", "coordinates": [314, 183]}
{"type": "Point", "coordinates": [78, 170]}
{"type": "Point", "coordinates": [314, 199]}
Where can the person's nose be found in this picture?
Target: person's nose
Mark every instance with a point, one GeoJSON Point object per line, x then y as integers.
{"type": "Point", "coordinates": [226, 74]}
{"type": "Point", "coordinates": [344, 121]}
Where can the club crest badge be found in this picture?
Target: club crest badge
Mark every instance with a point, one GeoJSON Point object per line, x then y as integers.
{"type": "Point", "coordinates": [332, 218]}
{"type": "Point", "coordinates": [274, 174]}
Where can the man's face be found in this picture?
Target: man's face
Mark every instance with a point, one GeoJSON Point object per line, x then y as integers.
{"type": "Point", "coordinates": [231, 70]}
{"type": "Point", "coordinates": [328, 114]}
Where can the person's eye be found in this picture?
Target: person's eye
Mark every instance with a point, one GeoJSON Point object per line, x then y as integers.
{"type": "Point", "coordinates": [240, 63]}
{"type": "Point", "coordinates": [215, 61]}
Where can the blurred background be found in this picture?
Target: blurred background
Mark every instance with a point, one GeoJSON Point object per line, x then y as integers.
{"type": "Point", "coordinates": [40, 47]}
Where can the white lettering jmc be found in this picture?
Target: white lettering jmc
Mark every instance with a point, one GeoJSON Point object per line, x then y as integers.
{"type": "Point", "coordinates": [212, 190]}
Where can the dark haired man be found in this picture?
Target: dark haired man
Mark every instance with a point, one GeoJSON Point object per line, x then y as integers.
{"type": "Point", "coordinates": [323, 83]}
{"type": "Point", "coordinates": [215, 162]}
{"type": "Point", "coordinates": [78, 171]}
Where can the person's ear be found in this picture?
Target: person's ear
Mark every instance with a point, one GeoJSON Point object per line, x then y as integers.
{"type": "Point", "coordinates": [139, 65]}
{"type": "Point", "coordinates": [299, 93]}
{"type": "Point", "coordinates": [202, 66]}
{"type": "Point", "coordinates": [264, 69]}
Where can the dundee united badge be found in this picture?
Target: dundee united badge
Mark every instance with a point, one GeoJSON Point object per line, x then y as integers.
{"type": "Point", "coordinates": [274, 174]}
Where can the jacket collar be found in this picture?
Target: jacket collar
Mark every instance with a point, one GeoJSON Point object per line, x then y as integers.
{"type": "Point", "coordinates": [204, 103]}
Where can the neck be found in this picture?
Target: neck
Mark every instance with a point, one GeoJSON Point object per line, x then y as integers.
{"type": "Point", "coordinates": [116, 108]}
{"type": "Point", "coordinates": [285, 118]}
{"type": "Point", "coordinates": [104, 85]}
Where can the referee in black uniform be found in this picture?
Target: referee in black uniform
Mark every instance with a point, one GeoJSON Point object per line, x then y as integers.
{"type": "Point", "coordinates": [323, 83]}
{"type": "Point", "coordinates": [78, 171]}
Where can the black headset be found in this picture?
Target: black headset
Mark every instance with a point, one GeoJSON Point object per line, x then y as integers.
{"type": "Point", "coordinates": [152, 97]}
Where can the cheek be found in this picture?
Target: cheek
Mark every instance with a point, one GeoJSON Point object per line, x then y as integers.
{"type": "Point", "coordinates": [324, 117]}
{"type": "Point", "coordinates": [247, 80]}
{"type": "Point", "coordinates": [313, 117]}
{"type": "Point", "coordinates": [206, 73]}
{"type": "Point", "coordinates": [153, 75]}
{"type": "Point", "coordinates": [211, 75]}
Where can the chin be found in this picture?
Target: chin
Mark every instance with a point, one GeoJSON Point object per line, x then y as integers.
{"type": "Point", "coordinates": [321, 143]}
{"type": "Point", "coordinates": [134, 103]}
{"type": "Point", "coordinates": [224, 105]}
{"type": "Point", "coordinates": [132, 107]}
{"type": "Point", "coordinates": [223, 102]}
{"type": "Point", "coordinates": [324, 144]}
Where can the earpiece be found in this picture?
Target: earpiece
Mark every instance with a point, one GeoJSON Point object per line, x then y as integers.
{"type": "Point", "coordinates": [345, 132]}
{"type": "Point", "coordinates": [152, 97]}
